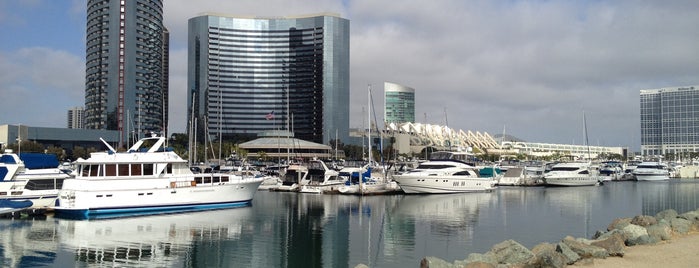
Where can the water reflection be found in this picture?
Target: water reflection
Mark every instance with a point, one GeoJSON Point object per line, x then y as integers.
{"type": "Point", "coordinates": [26, 243]}
{"type": "Point", "coordinates": [309, 230]}
{"type": "Point", "coordinates": [163, 240]}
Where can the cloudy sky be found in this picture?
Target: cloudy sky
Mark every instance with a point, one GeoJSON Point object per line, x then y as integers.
{"type": "Point", "coordinates": [531, 68]}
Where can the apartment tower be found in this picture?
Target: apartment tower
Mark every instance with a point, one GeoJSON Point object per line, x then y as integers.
{"type": "Point", "coordinates": [126, 67]}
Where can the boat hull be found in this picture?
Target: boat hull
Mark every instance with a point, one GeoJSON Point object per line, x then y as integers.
{"type": "Point", "coordinates": [652, 177]}
{"type": "Point", "coordinates": [443, 185]}
{"type": "Point", "coordinates": [87, 204]}
{"type": "Point", "coordinates": [571, 181]}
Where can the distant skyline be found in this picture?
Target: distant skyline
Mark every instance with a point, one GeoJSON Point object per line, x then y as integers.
{"type": "Point", "coordinates": [530, 67]}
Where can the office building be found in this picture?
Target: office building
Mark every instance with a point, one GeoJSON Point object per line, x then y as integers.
{"type": "Point", "coordinates": [399, 103]}
{"type": "Point", "coordinates": [247, 75]}
{"type": "Point", "coordinates": [126, 67]}
{"type": "Point", "coordinates": [670, 120]}
{"type": "Point", "coordinates": [76, 117]}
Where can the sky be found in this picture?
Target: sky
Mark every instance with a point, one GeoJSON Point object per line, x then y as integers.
{"type": "Point", "coordinates": [529, 68]}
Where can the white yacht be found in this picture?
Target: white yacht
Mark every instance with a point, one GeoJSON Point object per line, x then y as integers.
{"type": "Point", "coordinates": [147, 179]}
{"type": "Point", "coordinates": [29, 180]}
{"type": "Point", "coordinates": [651, 171]}
{"type": "Point", "coordinates": [572, 174]}
{"type": "Point", "coordinates": [321, 179]}
{"type": "Point", "coordinates": [444, 173]}
{"type": "Point", "coordinates": [366, 181]}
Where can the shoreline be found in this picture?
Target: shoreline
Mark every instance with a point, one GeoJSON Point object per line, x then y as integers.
{"type": "Point", "coordinates": [667, 239]}
{"type": "Point", "coordinates": [680, 251]}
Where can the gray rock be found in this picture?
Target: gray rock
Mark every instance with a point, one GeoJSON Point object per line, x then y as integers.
{"type": "Point", "coordinates": [667, 215]}
{"type": "Point", "coordinates": [434, 262]}
{"type": "Point", "coordinates": [643, 220]}
{"type": "Point", "coordinates": [478, 257]}
{"type": "Point", "coordinates": [660, 231]}
{"type": "Point", "coordinates": [543, 247]}
{"type": "Point", "coordinates": [619, 223]}
{"type": "Point", "coordinates": [641, 240]}
{"type": "Point", "coordinates": [614, 244]}
{"type": "Point", "coordinates": [692, 216]}
{"type": "Point", "coordinates": [632, 232]}
{"type": "Point", "coordinates": [511, 252]}
{"type": "Point", "coordinates": [547, 256]}
{"type": "Point", "coordinates": [568, 253]}
{"type": "Point", "coordinates": [361, 265]}
{"type": "Point", "coordinates": [680, 226]}
{"type": "Point", "coordinates": [479, 265]}
{"type": "Point", "coordinates": [585, 250]}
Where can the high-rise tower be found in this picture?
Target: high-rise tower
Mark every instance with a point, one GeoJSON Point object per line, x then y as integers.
{"type": "Point", "coordinates": [399, 103]}
{"type": "Point", "coordinates": [248, 75]}
{"type": "Point", "coordinates": [126, 60]}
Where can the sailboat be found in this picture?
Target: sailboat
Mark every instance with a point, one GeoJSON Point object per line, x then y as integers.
{"type": "Point", "coordinates": [369, 183]}
{"type": "Point", "coordinates": [574, 173]}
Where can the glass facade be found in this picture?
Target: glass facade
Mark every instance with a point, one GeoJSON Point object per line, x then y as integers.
{"type": "Point", "coordinates": [400, 103]}
{"type": "Point", "coordinates": [126, 66]}
{"type": "Point", "coordinates": [248, 75]}
{"type": "Point", "coordinates": [670, 120]}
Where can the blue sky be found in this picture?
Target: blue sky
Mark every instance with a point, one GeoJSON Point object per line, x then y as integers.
{"type": "Point", "coordinates": [531, 67]}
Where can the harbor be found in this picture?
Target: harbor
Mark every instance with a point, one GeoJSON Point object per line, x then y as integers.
{"type": "Point", "coordinates": [284, 229]}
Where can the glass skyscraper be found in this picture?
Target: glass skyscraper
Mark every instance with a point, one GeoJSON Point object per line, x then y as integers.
{"type": "Point", "coordinates": [670, 120]}
{"type": "Point", "coordinates": [400, 103]}
{"type": "Point", "coordinates": [126, 66]}
{"type": "Point", "coordinates": [248, 75]}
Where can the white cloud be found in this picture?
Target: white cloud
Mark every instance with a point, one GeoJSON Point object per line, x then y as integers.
{"type": "Point", "coordinates": [533, 66]}
{"type": "Point", "coordinates": [38, 85]}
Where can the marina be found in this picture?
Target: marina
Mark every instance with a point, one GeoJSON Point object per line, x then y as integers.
{"type": "Point", "coordinates": [283, 229]}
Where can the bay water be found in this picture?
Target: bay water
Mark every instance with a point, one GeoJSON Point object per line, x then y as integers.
{"type": "Point", "coordinates": [309, 230]}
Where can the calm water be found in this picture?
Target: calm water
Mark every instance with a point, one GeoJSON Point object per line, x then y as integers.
{"type": "Point", "coordinates": [303, 230]}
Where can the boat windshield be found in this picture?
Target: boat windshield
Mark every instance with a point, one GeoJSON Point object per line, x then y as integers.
{"type": "Point", "coordinates": [564, 168]}
{"type": "Point", "coordinates": [432, 166]}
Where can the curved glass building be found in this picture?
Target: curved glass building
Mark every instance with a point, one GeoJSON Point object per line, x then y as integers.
{"type": "Point", "coordinates": [399, 103]}
{"type": "Point", "coordinates": [126, 66]}
{"type": "Point", "coordinates": [248, 75]}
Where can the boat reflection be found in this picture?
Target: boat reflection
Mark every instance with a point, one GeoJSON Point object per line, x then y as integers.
{"type": "Point", "coordinates": [153, 241]}
{"type": "Point", "coordinates": [448, 214]}
{"type": "Point", "coordinates": [27, 243]}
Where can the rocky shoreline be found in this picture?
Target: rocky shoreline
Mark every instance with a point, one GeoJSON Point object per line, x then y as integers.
{"type": "Point", "coordinates": [620, 234]}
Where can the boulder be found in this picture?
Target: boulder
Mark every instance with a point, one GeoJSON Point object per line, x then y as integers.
{"type": "Point", "coordinates": [619, 223]}
{"type": "Point", "coordinates": [569, 254]}
{"type": "Point", "coordinates": [478, 257]}
{"type": "Point", "coordinates": [643, 220]}
{"type": "Point", "coordinates": [614, 244]}
{"type": "Point", "coordinates": [667, 215]}
{"type": "Point", "coordinates": [660, 231]}
{"type": "Point", "coordinates": [633, 232]}
{"type": "Point", "coordinates": [434, 262]}
{"type": "Point", "coordinates": [585, 250]}
{"type": "Point", "coordinates": [680, 225]}
{"type": "Point", "coordinates": [692, 216]}
{"type": "Point", "coordinates": [547, 256]}
{"type": "Point", "coordinates": [361, 265]}
{"type": "Point", "coordinates": [511, 252]}
{"type": "Point", "coordinates": [479, 265]}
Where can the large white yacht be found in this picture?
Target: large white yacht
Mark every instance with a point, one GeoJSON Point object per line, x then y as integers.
{"type": "Point", "coordinates": [572, 174]}
{"type": "Point", "coordinates": [29, 180]}
{"type": "Point", "coordinates": [147, 179]}
{"type": "Point", "coordinates": [651, 171]}
{"type": "Point", "coordinates": [445, 172]}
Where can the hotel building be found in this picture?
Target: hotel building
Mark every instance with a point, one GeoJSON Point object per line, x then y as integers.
{"type": "Point", "coordinates": [669, 120]}
{"type": "Point", "coordinates": [248, 75]}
